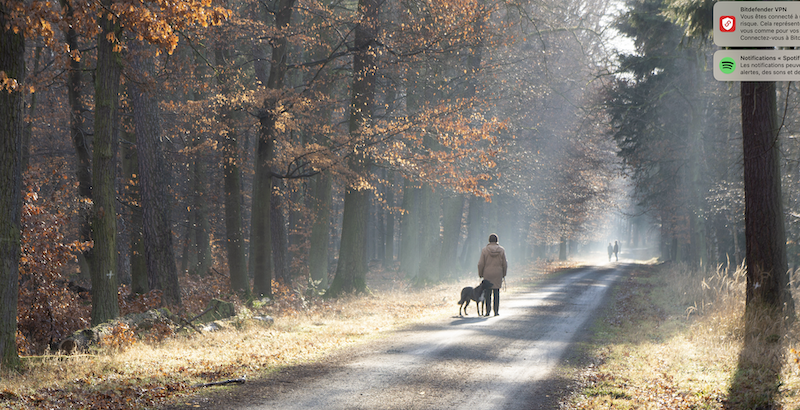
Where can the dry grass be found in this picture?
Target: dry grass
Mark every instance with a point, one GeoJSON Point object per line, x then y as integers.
{"type": "Point", "coordinates": [675, 339]}
{"type": "Point", "coordinates": [143, 374]}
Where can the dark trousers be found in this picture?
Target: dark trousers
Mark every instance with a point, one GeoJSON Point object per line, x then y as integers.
{"type": "Point", "coordinates": [487, 294]}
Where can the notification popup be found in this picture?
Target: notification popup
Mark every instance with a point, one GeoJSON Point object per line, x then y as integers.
{"type": "Point", "coordinates": [761, 26]}
{"type": "Point", "coordinates": [757, 65]}
{"type": "Point", "coordinates": [757, 23]}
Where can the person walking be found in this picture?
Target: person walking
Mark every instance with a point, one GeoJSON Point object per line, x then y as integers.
{"type": "Point", "coordinates": [616, 251]}
{"type": "Point", "coordinates": [610, 251]}
{"type": "Point", "coordinates": [492, 266]}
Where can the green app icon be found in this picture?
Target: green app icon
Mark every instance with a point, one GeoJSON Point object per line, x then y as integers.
{"type": "Point", "coordinates": [727, 65]}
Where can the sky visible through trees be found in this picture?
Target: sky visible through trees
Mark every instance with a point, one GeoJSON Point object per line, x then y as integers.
{"type": "Point", "coordinates": [305, 144]}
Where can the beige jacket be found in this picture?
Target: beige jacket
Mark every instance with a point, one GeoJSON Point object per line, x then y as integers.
{"type": "Point", "coordinates": [493, 265]}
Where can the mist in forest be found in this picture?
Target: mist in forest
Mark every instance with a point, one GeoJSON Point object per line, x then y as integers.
{"type": "Point", "coordinates": [309, 144]}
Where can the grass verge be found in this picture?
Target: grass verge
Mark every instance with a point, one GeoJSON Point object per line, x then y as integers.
{"type": "Point", "coordinates": [674, 339]}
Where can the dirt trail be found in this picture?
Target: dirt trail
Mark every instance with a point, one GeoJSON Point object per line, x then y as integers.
{"type": "Point", "coordinates": [507, 362]}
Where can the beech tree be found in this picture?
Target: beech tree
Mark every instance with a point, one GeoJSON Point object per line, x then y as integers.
{"type": "Point", "coordinates": [261, 231]}
{"type": "Point", "coordinates": [351, 270]}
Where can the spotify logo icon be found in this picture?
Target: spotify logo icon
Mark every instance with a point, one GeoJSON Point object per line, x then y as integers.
{"type": "Point", "coordinates": [727, 65]}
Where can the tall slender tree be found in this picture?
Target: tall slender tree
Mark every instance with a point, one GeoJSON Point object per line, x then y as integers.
{"type": "Point", "coordinates": [81, 140]}
{"type": "Point", "coordinates": [261, 259]}
{"type": "Point", "coordinates": [154, 176]}
{"type": "Point", "coordinates": [232, 176]}
{"type": "Point", "coordinates": [104, 220]}
{"type": "Point", "coordinates": [12, 73]}
{"type": "Point", "coordinates": [320, 231]}
{"type": "Point", "coordinates": [765, 233]}
{"type": "Point", "coordinates": [351, 270]}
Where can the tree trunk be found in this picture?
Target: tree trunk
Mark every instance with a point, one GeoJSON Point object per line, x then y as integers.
{"type": "Point", "coordinates": [260, 231]}
{"type": "Point", "coordinates": [409, 231]}
{"type": "Point", "coordinates": [297, 241]}
{"type": "Point", "coordinates": [130, 172]}
{"type": "Point", "coordinates": [430, 237]}
{"type": "Point", "coordinates": [261, 242]}
{"type": "Point", "coordinates": [233, 214]}
{"type": "Point", "coordinates": [197, 257]}
{"type": "Point", "coordinates": [81, 142]}
{"type": "Point", "coordinates": [352, 270]}
{"type": "Point", "coordinates": [453, 211]}
{"type": "Point", "coordinates": [232, 176]}
{"type": "Point", "coordinates": [321, 202]}
{"type": "Point", "coordinates": [280, 240]}
{"type": "Point", "coordinates": [697, 217]}
{"type": "Point", "coordinates": [388, 253]}
{"type": "Point", "coordinates": [12, 63]}
{"type": "Point", "coordinates": [767, 278]}
{"type": "Point", "coordinates": [27, 131]}
{"type": "Point", "coordinates": [159, 253]}
{"type": "Point", "coordinates": [321, 230]}
{"type": "Point", "coordinates": [473, 242]}
{"type": "Point", "coordinates": [202, 226]}
{"type": "Point", "coordinates": [105, 305]}
{"type": "Point", "coordinates": [378, 219]}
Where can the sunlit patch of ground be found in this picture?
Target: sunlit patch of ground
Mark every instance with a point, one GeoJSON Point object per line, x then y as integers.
{"type": "Point", "coordinates": [672, 341]}
{"type": "Point", "coordinates": [600, 258]}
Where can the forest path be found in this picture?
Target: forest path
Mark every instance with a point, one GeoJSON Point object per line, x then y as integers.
{"type": "Point", "coordinates": [508, 361]}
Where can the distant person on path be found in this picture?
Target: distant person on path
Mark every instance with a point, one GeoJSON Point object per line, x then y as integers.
{"type": "Point", "coordinates": [493, 266]}
{"type": "Point", "coordinates": [616, 251]}
{"type": "Point", "coordinates": [610, 251]}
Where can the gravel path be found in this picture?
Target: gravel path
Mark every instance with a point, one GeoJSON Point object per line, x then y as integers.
{"type": "Point", "coordinates": [509, 361]}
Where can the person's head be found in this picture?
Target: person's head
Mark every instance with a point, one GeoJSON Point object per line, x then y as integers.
{"type": "Point", "coordinates": [493, 238]}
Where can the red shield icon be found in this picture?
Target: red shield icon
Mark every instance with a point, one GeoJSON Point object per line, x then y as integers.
{"type": "Point", "coordinates": [727, 24]}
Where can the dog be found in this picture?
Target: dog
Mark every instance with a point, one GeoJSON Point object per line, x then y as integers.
{"type": "Point", "coordinates": [476, 294]}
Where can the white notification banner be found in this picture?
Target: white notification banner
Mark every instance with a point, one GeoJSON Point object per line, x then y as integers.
{"type": "Point", "coordinates": [757, 23]}
{"type": "Point", "coordinates": [757, 65]}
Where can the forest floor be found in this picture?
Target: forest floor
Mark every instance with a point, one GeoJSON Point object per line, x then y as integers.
{"type": "Point", "coordinates": [131, 372]}
{"type": "Point", "coordinates": [673, 339]}
{"type": "Point", "coordinates": [669, 340]}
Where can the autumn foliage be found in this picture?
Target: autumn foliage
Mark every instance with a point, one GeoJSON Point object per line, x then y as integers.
{"type": "Point", "coordinates": [49, 310]}
{"type": "Point", "coordinates": [52, 304]}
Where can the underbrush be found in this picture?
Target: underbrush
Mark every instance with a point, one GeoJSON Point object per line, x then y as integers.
{"type": "Point", "coordinates": [675, 338]}
{"type": "Point", "coordinates": [141, 371]}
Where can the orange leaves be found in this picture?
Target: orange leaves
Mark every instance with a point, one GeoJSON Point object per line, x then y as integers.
{"type": "Point", "coordinates": [8, 84]}
{"type": "Point", "coordinates": [159, 21]}
{"type": "Point", "coordinates": [34, 19]}
{"type": "Point", "coordinates": [119, 339]}
{"type": "Point", "coordinates": [434, 25]}
{"type": "Point", "coordinates": [48, 310]}
{"type": "Point", "coordinates": [75, 55]}
{"type": "Point", "coordinates": [451, 144]}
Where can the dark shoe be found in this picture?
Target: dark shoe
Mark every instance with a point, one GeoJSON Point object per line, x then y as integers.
{"type": "Point", "coordinates": [496, 314]}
